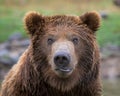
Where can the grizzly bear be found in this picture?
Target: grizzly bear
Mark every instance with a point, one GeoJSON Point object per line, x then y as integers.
{"type": "Point", "coordinates": [61, 60]}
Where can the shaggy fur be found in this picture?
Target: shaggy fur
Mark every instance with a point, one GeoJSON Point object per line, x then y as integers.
{"type": "Point", "coordinates": [32, 75]}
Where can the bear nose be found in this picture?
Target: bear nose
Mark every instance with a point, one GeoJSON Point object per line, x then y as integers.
{"type": "Point", "coordinates": [62, 59]}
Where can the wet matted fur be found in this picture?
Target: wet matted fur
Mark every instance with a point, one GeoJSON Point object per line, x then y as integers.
{"type": "Point", "coordinates": [33, 75]}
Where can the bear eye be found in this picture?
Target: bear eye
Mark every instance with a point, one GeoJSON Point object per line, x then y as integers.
{"type": "Point", "coordinates": [75, 40]}
{"type": "Point", "coordinates": [50, 41]}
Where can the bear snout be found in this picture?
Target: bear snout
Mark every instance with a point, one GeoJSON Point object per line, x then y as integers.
{"type": "Point", "coordinates": [62, 59]}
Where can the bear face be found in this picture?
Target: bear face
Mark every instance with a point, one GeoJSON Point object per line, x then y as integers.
{"type": "Point", "coordinates": [67, 44]}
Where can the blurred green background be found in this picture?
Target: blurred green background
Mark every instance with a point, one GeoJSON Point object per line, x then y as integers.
{"type": "Point", "coordinates": [12, 13]}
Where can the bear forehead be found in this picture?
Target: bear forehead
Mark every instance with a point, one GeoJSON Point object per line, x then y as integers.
{"type": "Point", "coordinates": [63, 23]}
{"type": "Point", "coordinates": [63, 19]}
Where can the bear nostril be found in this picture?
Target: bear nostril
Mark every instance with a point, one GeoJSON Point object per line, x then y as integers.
{"type": "Point", "coordinates": [62, 59]}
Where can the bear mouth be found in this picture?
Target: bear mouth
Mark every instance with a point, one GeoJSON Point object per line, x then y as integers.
{"type": "Point", "coordinates": [64, 70]}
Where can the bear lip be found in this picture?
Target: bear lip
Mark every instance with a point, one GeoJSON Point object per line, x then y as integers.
{"type": "Point", "coordinates": [64, 70]}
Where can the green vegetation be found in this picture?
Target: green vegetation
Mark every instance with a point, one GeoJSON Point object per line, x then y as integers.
{"type": "Point", "coordinates": [12, 13]}
{"type": "Point", "coordinates": [110, 30]}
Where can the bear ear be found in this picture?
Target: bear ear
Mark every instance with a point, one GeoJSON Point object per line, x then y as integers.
{"type": "Point", "coordinates": [33, 21]}
{"type": "Point", "coordinates": [91, 19]}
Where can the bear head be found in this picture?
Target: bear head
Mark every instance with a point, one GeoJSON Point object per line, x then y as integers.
{"type": "Point", "coordinates": [64, 48]}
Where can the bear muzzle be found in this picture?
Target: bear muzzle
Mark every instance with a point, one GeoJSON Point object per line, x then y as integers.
{"type": "Point", "coordinates": [63, 58]}
{"type": "Point", "coordinates": [62, 62]}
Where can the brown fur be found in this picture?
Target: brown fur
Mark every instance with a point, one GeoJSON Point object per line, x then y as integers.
{"type": "Point", "coordinates": [33, 76]}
